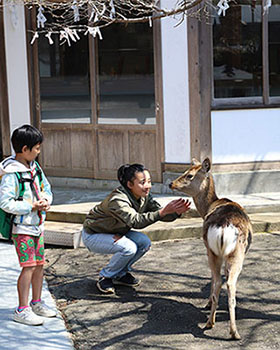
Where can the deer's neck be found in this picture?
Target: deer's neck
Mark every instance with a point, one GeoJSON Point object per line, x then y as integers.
{"type": "Point", "coordinates": [206, 196]}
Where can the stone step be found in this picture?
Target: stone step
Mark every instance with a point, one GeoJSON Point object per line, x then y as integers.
{"type": "Point", "coordinates": [69, 212]}
{"type": "Point", "coordinates": [61, 234]}
{"type": "Point", "coordinates": [76, 213]}
{"type": "Point", "coordinates": [68, 234]}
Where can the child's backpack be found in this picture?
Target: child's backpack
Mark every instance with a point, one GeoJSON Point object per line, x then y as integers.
{"type": "Point", "coordinates": [6, 219]}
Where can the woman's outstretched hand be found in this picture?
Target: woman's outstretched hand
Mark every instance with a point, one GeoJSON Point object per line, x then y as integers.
{"type": "Point", "coordinates": [178, 206]}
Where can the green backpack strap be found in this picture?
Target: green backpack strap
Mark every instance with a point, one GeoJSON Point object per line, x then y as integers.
{"type": "Point", "coordinates": [21, 182]}
{"type": "Point", "coordinates": [39, 173]}
{"type": "Point", "coordinates": [8, 219]}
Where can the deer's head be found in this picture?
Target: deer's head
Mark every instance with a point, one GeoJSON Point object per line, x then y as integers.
{"type": "Point", "coordinates": [194, 179]}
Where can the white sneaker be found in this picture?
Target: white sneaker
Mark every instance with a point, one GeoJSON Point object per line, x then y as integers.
{"type": "Point", "coordinates": [27, 317]}
{"type": "Point", "coordinates": [41, 309]}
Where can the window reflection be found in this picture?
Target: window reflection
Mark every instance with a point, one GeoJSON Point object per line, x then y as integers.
{"type": "Point", "coordinates": [64, 81]}
{"type": "Point", "coordinates": [274, 48]}
{"type": "Point", "coordinates": [237, 51]}
{"type": "Point", "coordinates": [126, 75]}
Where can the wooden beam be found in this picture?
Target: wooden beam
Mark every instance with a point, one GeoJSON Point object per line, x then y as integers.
{"type": "Point", "coordinates": [226, 168]}
{"type": "Point", "coordinates": [265, 55]}
{"type": "Point", "coordinates": [4, 106]}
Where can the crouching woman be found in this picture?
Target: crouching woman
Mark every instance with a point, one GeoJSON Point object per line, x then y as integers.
{"type": "Point", "coordinates": [111, 227]}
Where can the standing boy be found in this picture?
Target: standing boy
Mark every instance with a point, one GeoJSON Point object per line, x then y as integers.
{"type": "Point", "coordinates": [29, 212]}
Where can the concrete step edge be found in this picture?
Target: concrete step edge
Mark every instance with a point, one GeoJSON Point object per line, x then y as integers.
{"type": "Point", "coordinates": [79, 217]}
{"type": "Point", "coordinates": [69, 234]}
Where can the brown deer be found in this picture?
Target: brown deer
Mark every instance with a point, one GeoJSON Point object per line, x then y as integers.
{"type": "Point", "coordinates": [227, 234]}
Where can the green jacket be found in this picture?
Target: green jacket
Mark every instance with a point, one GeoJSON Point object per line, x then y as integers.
{"type": "Point", "coordinates": [120, 212]}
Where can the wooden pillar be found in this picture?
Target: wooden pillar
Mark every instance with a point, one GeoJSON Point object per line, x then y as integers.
{"type": "Point", "coordinates": [4, 107]}
{"type": "Point", "coordinates": [33, 68]}
{"type": "Point", "coordinates": [200, 87]}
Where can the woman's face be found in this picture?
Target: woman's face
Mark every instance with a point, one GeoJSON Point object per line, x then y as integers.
{"type": "Point", "coordinates": [141, 185]}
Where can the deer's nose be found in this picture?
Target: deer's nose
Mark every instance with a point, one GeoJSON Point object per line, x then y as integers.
{"type": "Point", "coordinates": [170, 185]}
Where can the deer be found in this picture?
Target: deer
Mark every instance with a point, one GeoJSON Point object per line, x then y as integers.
{"type": "Point", "coordinates": [227, 234]}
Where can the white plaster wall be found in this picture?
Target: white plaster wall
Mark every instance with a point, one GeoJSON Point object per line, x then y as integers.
{"type": "Point", "coordinates": [246, 135]}
{"type": "Point", "coordinates": [16, 62]}
{"type": "Point", "coordinates": [175, 89]}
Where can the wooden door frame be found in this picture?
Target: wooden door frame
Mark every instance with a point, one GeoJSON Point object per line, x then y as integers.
{"type": "Point", "coordinates": [34, 93]}
{"type": "Point", "coordinates": [33, 68]}
{"type": "Point", "coordinates": [158, 128]}
{"type": "Point", "coordinates": [159, 93]}
{"type": "Point", "coordinates": [4, 103]}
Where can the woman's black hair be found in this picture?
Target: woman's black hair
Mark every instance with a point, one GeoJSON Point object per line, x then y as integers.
{"type": "Point", "coordinates": [26, 135]}
{"type": "Point", "coordinates": [127, 172]}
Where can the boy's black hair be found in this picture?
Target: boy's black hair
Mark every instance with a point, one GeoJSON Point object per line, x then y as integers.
{"type": "Point", "coordinates": [127, 172]}
{"type": "Point", "coordinates": [26, 135]}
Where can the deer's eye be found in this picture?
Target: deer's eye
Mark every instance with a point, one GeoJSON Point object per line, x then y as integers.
{"type": "Point", "coordinates": [189, 176]}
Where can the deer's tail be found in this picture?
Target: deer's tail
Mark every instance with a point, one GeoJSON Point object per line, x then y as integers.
{"type": "Point", "coordinates": [222, 240]}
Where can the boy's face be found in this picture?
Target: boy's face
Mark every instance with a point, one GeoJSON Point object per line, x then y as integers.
{"type": "Point", "coordinates": [30, 155]}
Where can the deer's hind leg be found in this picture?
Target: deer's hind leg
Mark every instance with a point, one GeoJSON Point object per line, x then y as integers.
{"type": "Point", "coordinates": [215, 264]}
{"type": "Point", "coordinates": [233, 268]}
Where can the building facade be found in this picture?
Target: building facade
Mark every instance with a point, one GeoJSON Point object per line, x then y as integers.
{"type": "Point", "coordinates": [158, 95]}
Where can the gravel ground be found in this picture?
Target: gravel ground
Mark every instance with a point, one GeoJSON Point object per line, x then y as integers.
{"type": "Point", "coordinates": [166, 312]}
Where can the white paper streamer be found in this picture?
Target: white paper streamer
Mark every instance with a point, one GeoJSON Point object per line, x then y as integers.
{"type": "Point", "coordinates": [72, 34]}
{"type": "Point", "coordinates": [68, 34]}
{"type": "Point", "coordinates": [35, 36]}
{"type": "Point", "coordinates": [223, 6]}
{"type": "Point", "coordinates": [48, 35]}
{"type": "Point", "coordinates": [75, 8]}
{"type": "Point", "coordinates": [64, 37]}
{"type": "Point", "coordinates": [267, 5]}
{"type": "Point", "coordinates": [41, 19]}
{"type": "Point", "coordinates": [94, 31]}
{"type": "Point", "coordinates": [113, 10]}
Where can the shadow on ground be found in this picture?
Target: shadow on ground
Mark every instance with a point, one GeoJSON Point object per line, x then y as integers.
{"type": "Point", "coordinates": [167, 310]}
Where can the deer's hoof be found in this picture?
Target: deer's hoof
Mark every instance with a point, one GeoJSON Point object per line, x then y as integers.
{"type": "Point", "coordinates": [209, 325]}
{"type": "Point", "coordinates": [235, 335]}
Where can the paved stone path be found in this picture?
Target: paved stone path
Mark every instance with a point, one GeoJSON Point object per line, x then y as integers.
{"type": "Point", "coordinates": [52, 335]}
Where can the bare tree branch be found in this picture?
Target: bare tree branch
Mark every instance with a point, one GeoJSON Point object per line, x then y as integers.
{"type": "Point", "coordinates": [65, 16]}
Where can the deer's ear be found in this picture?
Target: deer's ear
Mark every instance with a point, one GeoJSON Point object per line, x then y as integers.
{"type": "Point", "coordinates": [195, 162]}
{"type": "Point", "coordinates": [206, 165]}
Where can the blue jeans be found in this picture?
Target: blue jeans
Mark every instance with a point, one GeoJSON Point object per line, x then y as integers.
{"type": "Point", "coordinates": [126, 250]}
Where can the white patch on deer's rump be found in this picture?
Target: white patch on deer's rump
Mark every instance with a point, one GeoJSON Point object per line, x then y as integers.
{"type": "Point", "coordinates": [222, 240]}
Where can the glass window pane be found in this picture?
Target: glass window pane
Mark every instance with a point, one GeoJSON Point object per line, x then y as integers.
{"type": "Point", "coordinates": [274, 48]}
{"type": "Point", "coordinates": [126, 75]}
{"type": "Point", "coordinates": [237, 51]}
{"type": "Point", "coordinates": [64, 81]}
